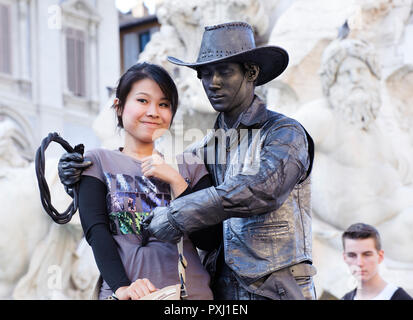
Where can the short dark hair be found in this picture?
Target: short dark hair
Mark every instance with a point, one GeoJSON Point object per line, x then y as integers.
{"type": "Point", "coordinates": [362, 231]}
{"type": "Point", "coordinates": [142, 71]}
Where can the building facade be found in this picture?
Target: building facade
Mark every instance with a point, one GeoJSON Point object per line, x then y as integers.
{"type": "Point", "coordinates": [57, 59]}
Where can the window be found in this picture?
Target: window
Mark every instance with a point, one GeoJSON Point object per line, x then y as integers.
{"type": "Point", "coordinates": [5, 43]}
{"type": "Point", "coordinates": [75, 55]}
{"type": "Point", "coordinates": [144, 38]}
{"type": "Point", "coordinates": [133, 44]}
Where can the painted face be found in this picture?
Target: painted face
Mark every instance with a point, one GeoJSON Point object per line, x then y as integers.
{"type": "Point", "coordinates": [362, 258]}
{"type": "Point", "coordinates": [147, 112]}
{"type": "Point", "coordinates": [226, 87]}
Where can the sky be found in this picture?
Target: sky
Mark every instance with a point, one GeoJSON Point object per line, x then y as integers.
{"type": "Point", "coordinates": [126, 5]}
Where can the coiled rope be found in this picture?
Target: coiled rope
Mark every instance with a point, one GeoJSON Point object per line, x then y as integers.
{"type": "Point", "coordinates": [65, 217]}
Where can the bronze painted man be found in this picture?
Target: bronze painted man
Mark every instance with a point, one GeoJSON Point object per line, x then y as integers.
{"type": "Point", "coordinates": [262, 197]}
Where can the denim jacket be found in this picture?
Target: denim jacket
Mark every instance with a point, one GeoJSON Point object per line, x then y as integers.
{"type": "Point", "coordinates": [262, 192]}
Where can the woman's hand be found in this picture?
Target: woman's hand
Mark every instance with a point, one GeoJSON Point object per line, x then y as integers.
{"type": "Point", "coordinates": [155, 166]}
{"type": "Point", "coordinates": [136, 290]}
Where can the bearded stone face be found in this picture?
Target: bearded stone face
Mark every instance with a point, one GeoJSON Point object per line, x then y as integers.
{"type": "Point", "coordinates": [355, 94]}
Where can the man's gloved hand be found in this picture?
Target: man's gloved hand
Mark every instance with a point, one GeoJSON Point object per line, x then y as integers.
{"type": "Point", "coordinates": [161, 225]}
{"type": "Point", "coordinates": [70, 168]}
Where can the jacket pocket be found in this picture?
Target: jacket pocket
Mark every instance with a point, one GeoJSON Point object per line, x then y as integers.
{"type": "Point", "coordinates": [269, 231]}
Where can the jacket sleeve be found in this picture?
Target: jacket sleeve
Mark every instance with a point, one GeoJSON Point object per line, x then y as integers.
{"type": "Point", "coordinates": [284, 161]}
{"type": "Point", "coordinates": [209, 238]}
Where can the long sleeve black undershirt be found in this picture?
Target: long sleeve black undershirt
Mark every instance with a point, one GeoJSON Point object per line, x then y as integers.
{"type": "Point", "coordinates": [95, 224]}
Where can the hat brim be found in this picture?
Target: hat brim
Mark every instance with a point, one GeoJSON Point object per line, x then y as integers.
{"type": "Point", "coordinates": [271, 60]}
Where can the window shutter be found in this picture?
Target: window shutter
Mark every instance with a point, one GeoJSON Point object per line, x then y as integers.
{"type": "Point", "coordinates": [80, 55]}
{"type": "Point", "coordinates": [75, 53]}
{"type": "Point", "coordinates": [5, 43]}
{"type": "Point", "coordinates": [130, 50]}
{"type": "Point", "coordinates": [70, 56]}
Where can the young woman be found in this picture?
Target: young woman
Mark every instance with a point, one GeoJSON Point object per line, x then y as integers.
{"type": "Point", "coordinates": [123, 186]}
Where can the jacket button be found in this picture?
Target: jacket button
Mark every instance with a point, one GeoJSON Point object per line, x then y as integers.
{"type": "Point", "coordinates": [230, 261]}
{"type": "Point", "coordinates": [229, 236]}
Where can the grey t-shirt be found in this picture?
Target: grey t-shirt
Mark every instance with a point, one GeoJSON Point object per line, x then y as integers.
{"type": "Point", "coordinates": [131, 197]}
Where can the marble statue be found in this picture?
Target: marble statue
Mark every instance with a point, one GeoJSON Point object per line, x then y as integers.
{"type": "Point", "coordinates": [399, 85]}
{"type": "Point", "coordinates": [10, 138]}
{"type": "Point", "coordinates": [358, 175]}
{"type": "Point", "coordinates": [304, 29]}
{"type": "Point", "coordinates": [39, 259]}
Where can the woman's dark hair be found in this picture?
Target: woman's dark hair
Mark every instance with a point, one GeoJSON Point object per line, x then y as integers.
{"type": "Point", "coordinates": [142, 71]}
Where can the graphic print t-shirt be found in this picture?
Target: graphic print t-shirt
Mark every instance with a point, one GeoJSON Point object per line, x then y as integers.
{"type": "Point", "coordinates": [131, 197]}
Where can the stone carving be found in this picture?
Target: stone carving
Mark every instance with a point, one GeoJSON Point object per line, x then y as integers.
{"type": "Point", "coordinates": [12, 144]}
{"type": "Point", "coordinates": [358, 175]}
{"type": "Point", "coordinates": [305, 29]}
{"type": "Point", "coordinates": [399, 85]}
{"type": "Point", "coordinates": [39, 259]}
{"type": "Point", "coordinates": [15, 247]}
{"type": "Point", "coordinates": [380, 22]}
{"type": "Point", "coordinates": [350, 80]}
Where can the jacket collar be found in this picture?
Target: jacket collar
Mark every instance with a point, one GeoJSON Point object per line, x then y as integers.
{"type": "Point", "coordinates": [255, 114]}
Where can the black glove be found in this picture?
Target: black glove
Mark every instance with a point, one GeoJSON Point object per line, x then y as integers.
{"type": "Point", "coordinates": [161, 225]}
{"type": "Point", "coordinates": [70, 168]}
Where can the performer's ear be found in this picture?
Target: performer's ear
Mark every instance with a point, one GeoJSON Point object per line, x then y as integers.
{"type": "Point", "coordinates": [252, 71]}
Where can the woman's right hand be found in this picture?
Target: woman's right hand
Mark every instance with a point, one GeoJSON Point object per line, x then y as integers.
{"type": "Point", "coordinates": [155, 166]}
{"type": "Point", "coordinates": [136, 290]}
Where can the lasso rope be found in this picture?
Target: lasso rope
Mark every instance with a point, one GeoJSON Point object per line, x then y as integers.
{"type": "Point", "coordinates": [65, 217]}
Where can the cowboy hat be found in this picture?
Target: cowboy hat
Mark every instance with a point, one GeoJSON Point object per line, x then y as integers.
{"type": "Point", "coordinates": [234, 42]}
